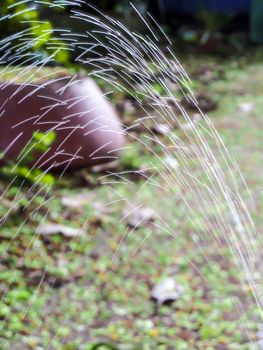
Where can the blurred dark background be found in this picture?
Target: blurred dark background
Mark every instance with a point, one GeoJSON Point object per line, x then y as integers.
{"type": "Point", "coordinates": [214, 27]}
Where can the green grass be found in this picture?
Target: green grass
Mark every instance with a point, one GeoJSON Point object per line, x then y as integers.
{"type": "Point", "coordinates": [70, 294]}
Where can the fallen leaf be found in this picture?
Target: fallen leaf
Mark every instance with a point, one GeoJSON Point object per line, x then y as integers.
{"type": "Point", "coordinates": [75, 201]}
{"type": "Point", "coordinates": [129, 106]}
{"type": "Point", "coordinates": [161, 129]}
{"type": "Point", "coordinates": [246, 107]}
{"type": "Point", "coordinates": [188, 126]}
{"type": "Point", "coordinates": [138, 216]}
{"type": "Point", "coordinates": [126, 106]}
{"type": "Point", "coordinates": [100, 208]}
{"type": "Point", "coordinates": [196, 117]}
{"type": "Point", "coordinates": [172, 86]}
{"type": "Point", "coordinates": [154, 332]}
{"type": "Point", "coordinates": [260, 337]}
{"type": "Point", "coordinates": [166, 291]}
{"type": "Point", "coordinates": [107, 166]}
{"type": "Point", "coordinates": [138, 127]}
{"type": "Point", "coordinates": [171, 162]}
{"type": "Point", "coordinates": [52, 229]}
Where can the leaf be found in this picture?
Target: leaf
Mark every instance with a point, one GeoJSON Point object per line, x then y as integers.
{"type": "Point", "coordinates": [161, 129]}
{"type": "Point", "coordinates": [52, 229]}
{"type": "Point", "coordinates": [42, 32]}
{"type": "Point", "coordinates": [171, 162]}
{"type": "Point", "coordinates": [107, 166]}
{"type": "Point", "coordinates": [246, 107]}
{"type": "Point", "coordinates": [45, 139]}
{"type": "Point", "coordinates": [62, 55]}
{"type": "Point", "coordinates": [159, 89]}
{"type": "Point", "coordinates": [139, 216]}
{"type": "Point", "coordinates": [209, 331]}
{"type": "Point", "coordinates": [130, 158]}
{"type": "Point", "coordinates": [47, 179]}
{"type": "Point", "coordinates": [166, 291]}
{"type": "Point", "coordinates": [196, 117]}
{"type": "Point", "coordinates": [103, 346]}
{"type": "Point", "coordinates": [76, 201]}
{"type": "Point", "coordinates": [128, 107]}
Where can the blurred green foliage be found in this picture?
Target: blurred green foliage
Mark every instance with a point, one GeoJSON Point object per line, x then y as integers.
{"type": "Point", "coordinates": [17, 17]}
{"type": "Point", "coordinates": [40, 142]}
{"type": "Point", "coordinates": [130, 158]}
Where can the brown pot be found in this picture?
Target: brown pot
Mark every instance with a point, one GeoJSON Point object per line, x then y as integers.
{"type": "Point", "coordinates": [87, 127]}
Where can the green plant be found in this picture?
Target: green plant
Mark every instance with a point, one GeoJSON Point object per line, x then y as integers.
{"type": "Point", "coordinates": [40, 143]}
{"type": "Point", "coordinates": [17, 16]}
{"type": "Point", "coordinates": [102, 346]}
{"type": "Point", "coordinates": [130, 158]}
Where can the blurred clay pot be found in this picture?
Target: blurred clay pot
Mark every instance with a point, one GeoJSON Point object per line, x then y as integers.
{"type": "Point", "coordinates": [87, 128]}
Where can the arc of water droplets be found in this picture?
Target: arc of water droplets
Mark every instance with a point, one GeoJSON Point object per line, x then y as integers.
{"type": "Point", "coordinates": [121, 58]}
{"type": "Point", "coordinates": [132, 52]}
